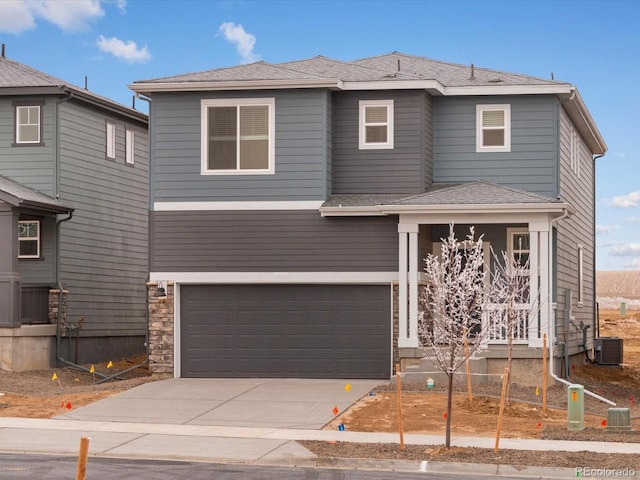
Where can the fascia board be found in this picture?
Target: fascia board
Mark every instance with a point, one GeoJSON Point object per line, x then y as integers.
{"type": "Point", "coordinates": [575, 101]}
{"type": "Point", "coordinates": [509, 90]}
{"type": "Point", "coordinates": [434, 86]}
{"type": "Point", "coordinates": [351, 212]}
{"type": "Point", "coordinates": [476, 208]}
{"type": "Point", "coordinates": [152, 87]}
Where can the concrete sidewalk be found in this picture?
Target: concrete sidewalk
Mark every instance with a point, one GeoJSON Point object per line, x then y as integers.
{"type": "Point", "coordinates": [246, 421]}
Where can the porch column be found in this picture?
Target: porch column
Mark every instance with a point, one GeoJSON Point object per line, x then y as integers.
{"type": "Point", "coordinates": [408, 286]}
{"type": "Point", "coordinates": [534, 301]}
{"type": "Point", "coordinates": [545, 285]}
{"type": "Point", "coordinates": [539, 281]}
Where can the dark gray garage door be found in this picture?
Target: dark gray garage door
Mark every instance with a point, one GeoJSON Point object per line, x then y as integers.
{"type": "Point", "coordinates": [299, 331]}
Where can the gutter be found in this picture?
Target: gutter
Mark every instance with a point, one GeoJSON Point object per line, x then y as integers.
{"type": "Point", "coordinates": [551, 326]}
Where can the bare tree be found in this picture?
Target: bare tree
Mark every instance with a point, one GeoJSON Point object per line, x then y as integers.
{"type": "Point", "coordinates": [455, 297]}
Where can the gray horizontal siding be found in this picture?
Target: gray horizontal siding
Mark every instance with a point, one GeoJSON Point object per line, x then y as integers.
{"type": "Point", "coordinates": [532, 163]}
{"type": "Point", "coordinates": [246, 241]}
{"type": "Point", "coordinates": [401, 169]}
{"type": "Point", "coordinates": [41, 271]}
{"type": "Point", "coordinates": [301, 151]}
{"type": "Point", "coordinates": [104, 250]}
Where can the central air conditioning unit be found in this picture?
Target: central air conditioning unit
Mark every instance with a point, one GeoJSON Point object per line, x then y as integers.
{"type": "Point", "coordinates": [608, 350]}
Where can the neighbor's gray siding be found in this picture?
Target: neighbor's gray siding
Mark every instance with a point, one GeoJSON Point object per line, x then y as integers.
{"type": "Point", "coordinates": [265, 241]}
{"type": "Point", "coordinates": [329, 143]}
{"type": "Point", "coordinates": [301, 150]}
{"type": "Point", "coordinates": [532, 163]}
{"type": "Point", "coordinates": [576, 189]}
{"type": "Point", "coordinates": [104, 259]}
{"type": "Point", "coordinates": [32, 166]}
{"type": "Point", "coordinates": [428, 140]}
{"type": "Point", "coordinates": [401, 169]}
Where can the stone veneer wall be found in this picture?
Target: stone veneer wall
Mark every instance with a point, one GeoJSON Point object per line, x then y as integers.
{"type": "Point", "coordinates": [161, 329]}
{"type": "Point", "coordinates": [58, 311]}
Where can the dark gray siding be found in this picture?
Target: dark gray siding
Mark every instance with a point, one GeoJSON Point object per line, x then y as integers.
{"type": "Point", "coordinates": [250, 241]}
{"type": "Point", "coordinates": [399, 170]}
{"type": "Point", "coordinates": [329, 144]}
{"type": "Point", "coordinates": [41, 271]}
{"type": "Point", "coordinates": [301, 150]}
{"type": "Point", "coordinates": [577, 189]}
{"type": "Point", "coordinates": [104, 259]}
{"type": "Point", "coordinates": [33, 166]}
{"type": "Point", "coordinates": [428, 140]}
{"type": "Point", "coordinates": [301, 331]}
{"type": "Point", "coordinates": [532, 163]}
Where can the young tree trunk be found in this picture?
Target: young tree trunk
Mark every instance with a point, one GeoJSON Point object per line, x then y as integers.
{"type": "Point", "coordinates": [447, 438]}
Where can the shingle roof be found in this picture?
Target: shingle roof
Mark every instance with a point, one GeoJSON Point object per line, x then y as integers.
{"type": "Point", "coordinates": [392, 66]}
{"type": "Point", "coordinates": [17, 194]}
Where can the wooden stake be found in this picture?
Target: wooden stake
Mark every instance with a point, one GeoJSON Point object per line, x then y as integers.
{"type": "Point", "coordinates": [81, 472]}
{"type": "Point", "coordinates": [466, 354]}
{"type": "Point", "coordinates": [505, 381]}
{"type": "Point", "coordinates": [399, 393]}
{"type": "Point", "coordinates": [544, 372]}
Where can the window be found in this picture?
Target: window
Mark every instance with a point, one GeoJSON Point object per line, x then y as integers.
{"type": "Point", "coordinates": [493, 128]}
{"type": "Point", "coordinates": [574, 150]}
{"type": "Point", "coordinates": [130, 147]}
{"type": "Point", "coordinates": [519, 246]}
{"type": "Point", "coordinates": [111, 140]}
{"type": "Point", "coordinates": [238, 136]}
{"type": "Point", "coordinates": [29, 239]}
{"type": "Point", "coordinates": [376, 124]}
{"type": "Point", "coordinates": [28, 123]}
{"type": "Point", "coordinates": [580, 276]}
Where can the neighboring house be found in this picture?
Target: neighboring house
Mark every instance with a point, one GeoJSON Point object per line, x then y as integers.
{"type": "Point", "coordinates": [73, 223]}
{"type": "Point", "coordinates": [292, 205]}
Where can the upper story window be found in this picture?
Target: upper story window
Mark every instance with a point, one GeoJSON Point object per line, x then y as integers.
{"type": "Point", "coordinates": [130, 148]}
{"type": "Point", "coordinates": [238, 136]}
{"type": "Point", "coordinates": [574, 150]}
{"type": "Point", "coordinates": [28, 124]}
{"type": "Point", "coordinates": [376, 124]}
{"type": "Point", "coordinates": [493, 128]}
{"type": "Point", "coordinates": [29, 239]}
{"type": "Point", "coordinates": [111, 140]}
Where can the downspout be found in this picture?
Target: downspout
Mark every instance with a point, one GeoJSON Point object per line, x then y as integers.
{"type": "Point", "coordinates": [551, 326]}
{"type": "Point", "coordinates": [596, 308]}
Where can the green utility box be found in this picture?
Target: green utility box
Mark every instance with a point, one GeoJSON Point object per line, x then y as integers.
{"type": "Point", "coordinates": [575, 407]}
{"type": "Point", "coordinates": [618, 419]}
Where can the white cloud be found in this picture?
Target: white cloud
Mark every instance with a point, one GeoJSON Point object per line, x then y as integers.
{"type": "Point", "coordinates": [603, 229]}
{"type": "Point", "coordinates": [120, 4]}
{"type": "Point", "coordinates": [243, 41]}
{"type": "Point", "coordinates": [632, 219]}
{"type": "Point", "coordinates": [626, 250]}
{"type": "Point", "coordinates": [15, 17]}
{"type": "Point", "coordinates": [625, 201]}
{"type": "Point", "coordinates": [634, 264]}
{"type": "Point", "coordinates": [125, 50]}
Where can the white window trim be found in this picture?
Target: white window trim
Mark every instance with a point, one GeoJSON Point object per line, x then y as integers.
{"type": "Point", "coordinates": [507, 128]}
{"type": "Point", "coordinates": [130, 148]}
{"type": "Point", "coordinates": [363, 145]}
{"type": "Point", "coordinates": [37, 239]}
{"type": "Point", "coordinates": [511, 231]}
{"type": "Point", "coordinates": [110, 136]}
{"type": "Point", "coordinates": [580, 276]}
{"type": "Point", "coordinates": [270, 102]}
{"type": "Point", "coordinates": [18, 125]}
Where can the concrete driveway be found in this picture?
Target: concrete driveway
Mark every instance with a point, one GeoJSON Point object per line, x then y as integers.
{"type": "Point", "coordinates": [277, 403]}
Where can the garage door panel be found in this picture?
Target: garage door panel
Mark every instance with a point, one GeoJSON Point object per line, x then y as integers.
{"type": "Point", "coordinates": [312, 331]}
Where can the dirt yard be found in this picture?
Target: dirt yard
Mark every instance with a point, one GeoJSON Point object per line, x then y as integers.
{"type": "Point", "coordinates": [38, 395]}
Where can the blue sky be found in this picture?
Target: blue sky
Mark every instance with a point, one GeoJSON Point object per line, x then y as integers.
{"type": "Point", "coordinates": [594, 45]}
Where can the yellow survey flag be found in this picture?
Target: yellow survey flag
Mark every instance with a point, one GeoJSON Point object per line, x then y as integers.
{"type": "Point", "coordinates": [110, 364]}
{"type": "Point", "coordinates": [54, 377]}
{"type": "Point", "coordinates": [92, 369]}
{"type": "Point", "coordinates": [537, 391]}
{"type": "Point", "coordinates": [347, 387]}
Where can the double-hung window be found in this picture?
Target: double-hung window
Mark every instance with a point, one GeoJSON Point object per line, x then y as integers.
{"type": "Point", "coordinates": [493, 128]}
{"type": "Point", "coordinates": [111, 140]}
{"type": "Point", "coordinates": [238, 136]}
{"type": "Point", "coordinates": [376, 124]}
{"type": "Point", "coordinates": [130, 148]}
{"type": "Point", "coordinates": [29, 239]}
{"type": "Point", "coordinates": [28, 124]}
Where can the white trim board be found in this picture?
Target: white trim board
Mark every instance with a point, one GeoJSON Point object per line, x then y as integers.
{"type": "Point", "coordinates": [251, 205]}
{"type": "Point", "coordinates": [360, 278]}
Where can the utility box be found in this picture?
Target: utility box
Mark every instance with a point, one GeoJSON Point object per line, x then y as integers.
{"type": "Point", "coordinates": [608, 350]}
{"type": "Point", "coordinates": [575, 407]}
{"type": "Point", "coordinates": [618, 419]}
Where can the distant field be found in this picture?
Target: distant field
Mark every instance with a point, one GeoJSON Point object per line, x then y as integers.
{"type": "Point", "coordinates": [616, 287]}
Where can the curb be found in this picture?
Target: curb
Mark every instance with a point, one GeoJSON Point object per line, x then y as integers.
{"type": "Point", "coordinates": [480, 469]}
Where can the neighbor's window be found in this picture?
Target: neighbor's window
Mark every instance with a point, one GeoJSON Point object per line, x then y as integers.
{"type": "Point", "coordinates": [238, 136]}
{"type": "Point", "coordinates": [130, 147]}
{"type": "Point", "coordinates": [111, 140]}
{"type": "Point", "coordinates": [28, 123]}
{"type": "Point", "coordinates": [580, 276]}
{"type": "Point", "coordinates": [376, 124]}
{"type": "Point", "coordinates": [29, 239]}
{"type": "Point", "coordinates": [493, 128]}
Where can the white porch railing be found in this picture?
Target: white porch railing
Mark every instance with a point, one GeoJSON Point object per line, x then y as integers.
{"type": "Point", "coordinates": [497, 323]}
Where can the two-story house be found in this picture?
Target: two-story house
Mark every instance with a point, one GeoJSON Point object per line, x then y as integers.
{"type": "Point", "coordinates": [292, 205]}
{"type": "Point", "coordinates": [73, 223]}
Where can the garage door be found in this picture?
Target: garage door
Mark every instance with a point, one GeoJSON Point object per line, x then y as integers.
{"type": "Point", "coordinates": [298, 331]}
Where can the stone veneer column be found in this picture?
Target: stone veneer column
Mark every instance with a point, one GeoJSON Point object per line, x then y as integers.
{"type": "Point", "coordinates": [161, 329]}
{"type": "Point", "coordinates": [58, 309]}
